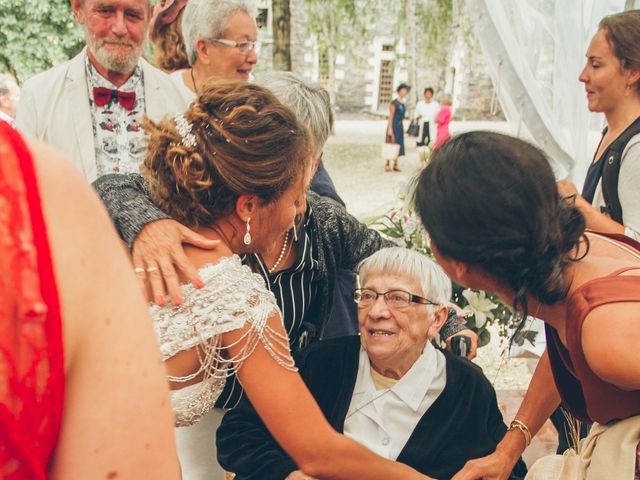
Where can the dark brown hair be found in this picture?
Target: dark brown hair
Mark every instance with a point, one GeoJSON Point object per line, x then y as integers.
{"type": "Point", "coordinates": [490, 200]}
{"type": "Point", "coordinates": [623, 33]}
{"type": "Point", "coordinates": [246, 142]}
{"type": "Point", "coordinates": [168, 47]}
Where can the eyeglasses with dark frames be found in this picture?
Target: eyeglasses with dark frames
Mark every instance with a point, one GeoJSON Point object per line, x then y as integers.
{"type": "Point", "coordinates": [365, 297]}
{"type": "Point", "coordinates": [244, 47]}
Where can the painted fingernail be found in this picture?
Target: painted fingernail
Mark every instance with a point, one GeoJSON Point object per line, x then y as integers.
{"type": "Point", "coordinates": [176, 299]}
{"type": "Point", "coordinates": [160, 300]}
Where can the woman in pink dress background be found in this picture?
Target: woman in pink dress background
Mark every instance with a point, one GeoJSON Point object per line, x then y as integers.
{"type": "Point", "coordinates": [443, 118]}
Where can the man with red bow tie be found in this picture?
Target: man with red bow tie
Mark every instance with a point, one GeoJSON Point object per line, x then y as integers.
{"type": "Point", "coordinates": [91, 107]}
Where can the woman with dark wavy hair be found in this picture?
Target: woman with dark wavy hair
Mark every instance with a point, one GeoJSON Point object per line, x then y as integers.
{"type": "Point", "coordinates": [497, 223]}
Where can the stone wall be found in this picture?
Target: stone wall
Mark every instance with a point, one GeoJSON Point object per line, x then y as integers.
{"type": "Point", "coordinates": [459, 69]}
{"type": "Point", "coordinates": [468, 78]}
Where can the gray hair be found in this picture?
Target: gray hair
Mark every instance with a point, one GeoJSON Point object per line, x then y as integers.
{"type": "Point", "coordinates": [436, 286]}
{"type": "Point", "coordinates": [7, 82]}
{"type": "Point", "coordinates": [310, 103]}
{"type": "Point", "coordinates": [208, 20]}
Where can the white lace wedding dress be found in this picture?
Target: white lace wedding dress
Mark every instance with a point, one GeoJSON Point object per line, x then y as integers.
{"type": "Point", "coordinates": [232, 298]}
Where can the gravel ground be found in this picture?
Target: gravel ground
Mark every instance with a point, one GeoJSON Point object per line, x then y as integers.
{"type": "Point", "coordinates": [353, 158]}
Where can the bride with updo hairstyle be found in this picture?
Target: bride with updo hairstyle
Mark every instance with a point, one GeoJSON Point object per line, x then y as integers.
{"type": "Point", "coordinates": [235, 167]}
{"type": "Point", "coordinates": [234, 139]}
{"type": "Point", "coordinates": [496, 222]}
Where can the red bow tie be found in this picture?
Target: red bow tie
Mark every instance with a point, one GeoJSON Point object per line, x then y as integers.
{"type": "Point", "coordinates": [102, 96]}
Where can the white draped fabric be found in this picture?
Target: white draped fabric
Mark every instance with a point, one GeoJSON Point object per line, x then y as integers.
{"type": "Point", "coordinates": [535, 50]}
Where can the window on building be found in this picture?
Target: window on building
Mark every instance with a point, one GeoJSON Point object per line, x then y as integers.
{"type": "Point", "coordinates": [385, 90]}
{"type": "Point", "coordinates": [262, 18]}
{"type": "Point", "coordinates": [387, 48]}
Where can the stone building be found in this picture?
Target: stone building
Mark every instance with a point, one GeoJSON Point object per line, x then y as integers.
{"type": "Point", "coordinates": [368, 71]}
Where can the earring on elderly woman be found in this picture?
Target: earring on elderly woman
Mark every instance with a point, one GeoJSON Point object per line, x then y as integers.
{"type": "Point", "coordinates": [247, 236]}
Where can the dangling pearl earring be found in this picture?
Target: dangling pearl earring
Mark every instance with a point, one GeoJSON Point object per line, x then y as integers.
{"type": "Point", "coordinates": [247, 236]}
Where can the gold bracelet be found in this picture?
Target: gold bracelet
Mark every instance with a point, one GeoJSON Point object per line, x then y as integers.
{"type": "Point", "coordinates": [518, 425]}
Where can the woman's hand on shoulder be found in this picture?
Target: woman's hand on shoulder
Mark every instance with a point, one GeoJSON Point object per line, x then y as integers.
{"type": "Point", "coordinates": [158, 253]}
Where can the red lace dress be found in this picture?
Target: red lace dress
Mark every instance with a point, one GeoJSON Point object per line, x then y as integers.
{"type": "Point", "coordinates": [31, 355]}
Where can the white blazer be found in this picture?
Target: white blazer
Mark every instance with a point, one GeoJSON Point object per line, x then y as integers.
{"type": "Point", "coordinates": [54, 108]}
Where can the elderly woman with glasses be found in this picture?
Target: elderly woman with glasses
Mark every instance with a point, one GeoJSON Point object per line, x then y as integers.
{"type": "Point", "coordinates": [218, 38]}
{"type": "Point", "coordinates": [388, 388]}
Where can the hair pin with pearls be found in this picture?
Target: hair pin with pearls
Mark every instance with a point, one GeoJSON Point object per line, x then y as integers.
{"type": "Point", "coordinates": [184, 129]}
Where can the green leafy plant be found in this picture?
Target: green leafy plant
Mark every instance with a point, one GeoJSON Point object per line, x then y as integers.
{"type": "Point", "coordinates": [36, 35]}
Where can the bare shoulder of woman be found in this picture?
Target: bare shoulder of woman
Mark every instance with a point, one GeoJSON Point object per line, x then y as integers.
{"type": "Point", "coordinates": [200, 256]}
{"type": "Point", "coordinates": [610, 339]}
{"type": "Point", "coordinates": [117, 418]}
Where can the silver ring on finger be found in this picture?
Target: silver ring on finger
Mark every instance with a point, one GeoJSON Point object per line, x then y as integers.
{"type": "Point", "coordinates": [139, 270]}
{"type": "Point", "coordinates": [152, 269]}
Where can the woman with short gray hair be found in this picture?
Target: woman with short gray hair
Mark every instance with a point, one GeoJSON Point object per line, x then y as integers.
{"type": "Point", "coordinates": [388, 388]}
{"type": "Point", "coordinates": [311, 104]}
{"type": "Point", "coordinates": [220, 38]}
{"type": "Point", "coordinates": [403, 262]}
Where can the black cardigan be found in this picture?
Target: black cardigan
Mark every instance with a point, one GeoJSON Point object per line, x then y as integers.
{"type": "Point", "coordinates": [463, 423]}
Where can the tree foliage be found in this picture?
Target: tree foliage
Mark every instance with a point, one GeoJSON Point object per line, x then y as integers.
{"type": "Point", "coordinates": [436, 20]}
{"type": "Point", "coordinates": [36, 34]}
{"type": "Point", "coordinates": [427, 27]}
{"type": "Point", "coordinates": [336, 24]}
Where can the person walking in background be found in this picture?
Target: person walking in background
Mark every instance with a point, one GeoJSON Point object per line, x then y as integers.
{"type": "Point", "coordinates": [9, 96]}
{"type": "Point", "coordinates": [395, 128]}
{"type": "Point", "coordinates": [443, 118]}
{"type": "Point", "coordinates": [426, 111]}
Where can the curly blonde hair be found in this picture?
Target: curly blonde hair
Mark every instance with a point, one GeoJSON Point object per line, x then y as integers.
{"type": "Point", "coordinates": [246, 142]}
{"type": "Point", "coordinates": [169, 52]}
